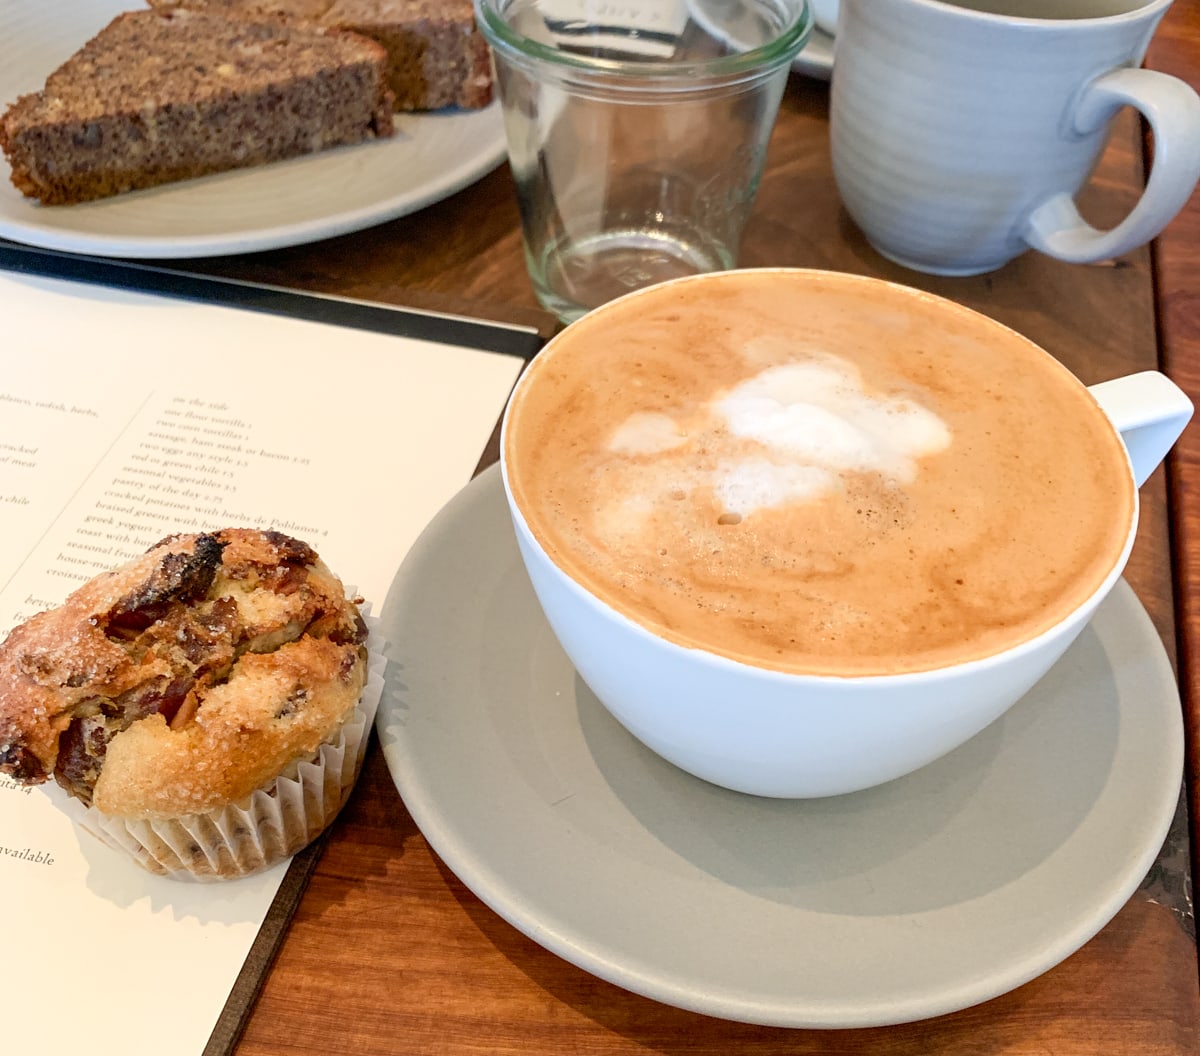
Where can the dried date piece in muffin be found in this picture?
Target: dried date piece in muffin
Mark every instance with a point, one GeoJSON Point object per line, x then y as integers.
{"type": "Point", "coordinates": [203, 701]}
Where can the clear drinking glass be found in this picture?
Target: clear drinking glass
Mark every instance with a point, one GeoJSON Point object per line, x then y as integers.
{"type": "Point", "coordinates": [637, 131]}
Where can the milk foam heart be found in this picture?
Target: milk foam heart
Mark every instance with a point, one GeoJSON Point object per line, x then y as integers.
{"type": "Point", "coordinates": [817, 413]}
{"type": "Point", "coordinates": [813, 422]}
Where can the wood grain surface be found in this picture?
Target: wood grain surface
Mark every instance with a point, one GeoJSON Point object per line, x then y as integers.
{"type": "Point", "coordinates": [389, 954]}
{"type": "Point", "coordinates": [1176, 50]}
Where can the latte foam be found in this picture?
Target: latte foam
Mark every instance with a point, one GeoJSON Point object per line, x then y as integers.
{"type": "Point", "coordinates": [812, 421]}
{"type": "Point", "coordinates": [817, 473]}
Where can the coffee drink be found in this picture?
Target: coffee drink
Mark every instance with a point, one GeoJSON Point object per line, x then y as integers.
{"type": "Point", "coordinates": [818, 473]}
{"type": "Point", "coordinates": [802, 533]}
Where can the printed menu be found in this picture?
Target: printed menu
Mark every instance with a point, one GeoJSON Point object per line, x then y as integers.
{"type": "Point", "coordinates": [124, 417]}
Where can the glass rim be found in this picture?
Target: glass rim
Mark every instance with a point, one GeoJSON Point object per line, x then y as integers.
{"type": "Point", "coordinates": [762, 59]}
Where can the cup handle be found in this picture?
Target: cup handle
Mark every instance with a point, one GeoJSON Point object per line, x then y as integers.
{"type": "Point", "coordinates": [1149, 411]}
{"type": "Point", "coordinates": [1173, 110]}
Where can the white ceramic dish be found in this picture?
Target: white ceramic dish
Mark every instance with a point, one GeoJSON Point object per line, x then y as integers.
{"type": "Point", "coordinates": [815, 58]}
{"type": "Point", "coordinates": [292, 202]}
{"type": "Point", "coordinates": [826, 14]}
{"type": "Point", "coordinates": [934, 892]}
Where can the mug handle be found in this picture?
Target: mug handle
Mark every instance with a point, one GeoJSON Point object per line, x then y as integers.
{"type": "Point", "coordinates": [1173, 110]}
{"type": "Point", "coordinates": [1149, 411]}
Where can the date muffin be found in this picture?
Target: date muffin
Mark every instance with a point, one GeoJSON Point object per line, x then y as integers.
{"type": "Point", "coordinates": [203, 703]}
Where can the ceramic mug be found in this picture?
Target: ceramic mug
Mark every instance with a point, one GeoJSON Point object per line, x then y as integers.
{"type": "Point", "coordinates": [961, 131]}
{"type": "Point", "coordinates": [746, 725]}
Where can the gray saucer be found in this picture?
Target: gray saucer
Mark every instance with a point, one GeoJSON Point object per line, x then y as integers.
{"type": "Point", "coordinates": [917, 898]}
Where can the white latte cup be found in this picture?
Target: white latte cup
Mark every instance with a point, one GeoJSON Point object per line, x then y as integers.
{"type": "Point", "coordinates": [961, 130]}
{"type": "Point", "coordinates": [793, 735]}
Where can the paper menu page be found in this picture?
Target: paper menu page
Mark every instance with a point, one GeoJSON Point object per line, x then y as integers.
{"type": "Point", "coordinates": [99, 960]}
{"type": "Point", "coordinates": [132, 416]}
{"type": "Point", "coordinates": [125, 417]}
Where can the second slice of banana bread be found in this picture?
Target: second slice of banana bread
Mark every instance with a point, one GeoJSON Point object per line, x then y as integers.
{"type": "Point", "coordinates": [436, 55]}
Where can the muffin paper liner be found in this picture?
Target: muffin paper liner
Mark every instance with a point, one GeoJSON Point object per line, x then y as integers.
{"type": "Point", "coordinates": [273, 822]}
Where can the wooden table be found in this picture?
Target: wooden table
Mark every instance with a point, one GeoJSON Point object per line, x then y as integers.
{"type": "Point", "coordinates": [389, 953]}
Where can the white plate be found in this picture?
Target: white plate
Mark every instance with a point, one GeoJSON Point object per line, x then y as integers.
{"type": "Point", "coordinates": [825, 12]}
{"type": "Point", "coordinates": [288, 203]}
{"type": "Point", "coordinates": [816, 57]}
{"type": "Point", "coordinates": [814, 60]}
{"type": "Point", "coordinates": [929, 894]}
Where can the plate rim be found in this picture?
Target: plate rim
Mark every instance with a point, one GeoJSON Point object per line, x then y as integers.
{"type": "Point", "coordinates": [815, 59]}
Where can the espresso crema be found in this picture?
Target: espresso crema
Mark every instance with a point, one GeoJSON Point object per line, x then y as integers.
{"type": "Point", "coordinates": [818, 473]}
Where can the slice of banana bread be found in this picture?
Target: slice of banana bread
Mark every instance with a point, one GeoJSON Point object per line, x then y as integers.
{"type": "Point", "coordinates": [436, 55]}
{"type": "Point", "coordinates": [158, 96]}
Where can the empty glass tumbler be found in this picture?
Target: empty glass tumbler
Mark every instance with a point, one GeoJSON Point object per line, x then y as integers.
{"type": "Point", "coordinates": [637, 131]}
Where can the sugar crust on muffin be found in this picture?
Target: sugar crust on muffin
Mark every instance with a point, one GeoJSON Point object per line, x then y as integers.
{"type": "Point", "coordinates": [184, 680]}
